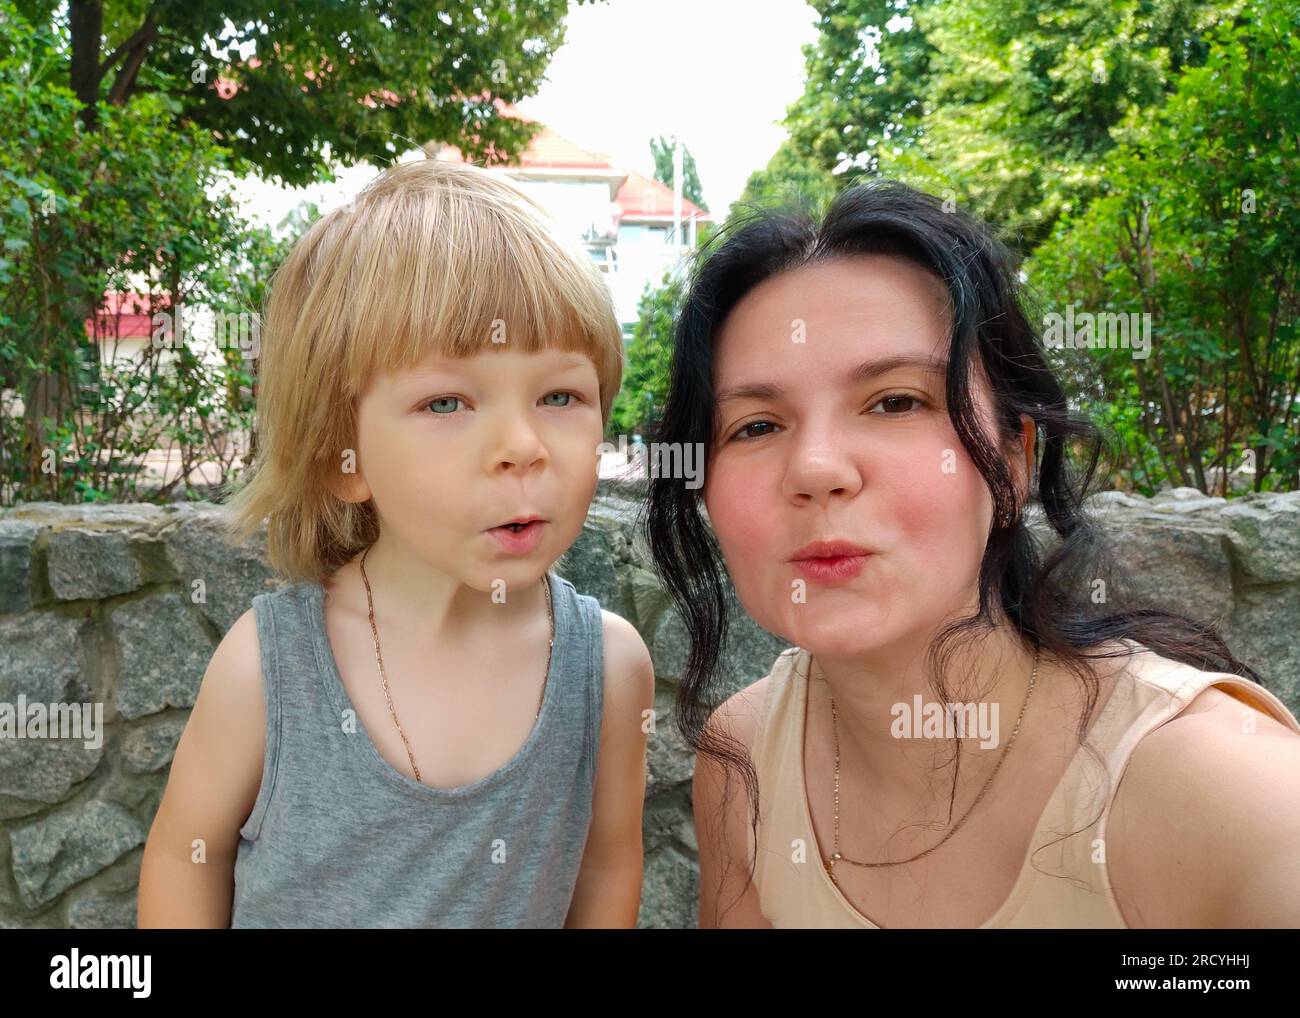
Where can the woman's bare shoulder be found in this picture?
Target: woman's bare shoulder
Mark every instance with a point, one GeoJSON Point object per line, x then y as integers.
{"type": "Point", "coordinates": [721, 812]}
{"type": "Point", "coordinates": [740, 713]}
{"type": "Point", "coordinates": [1205, 813]}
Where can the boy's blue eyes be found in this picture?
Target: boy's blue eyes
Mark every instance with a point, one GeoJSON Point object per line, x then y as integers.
{"type": "Point", "coordinates": [447, 411]}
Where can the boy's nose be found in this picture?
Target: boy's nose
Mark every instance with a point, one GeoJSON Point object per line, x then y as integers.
{"type": "Point", "coordinates": [516, 444]}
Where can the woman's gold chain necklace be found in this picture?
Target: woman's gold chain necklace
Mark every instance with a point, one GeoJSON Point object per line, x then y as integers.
{"type": "Point", "coordinates": [835, 857]}
{"type": "Point", "coordinates": [379, 659]}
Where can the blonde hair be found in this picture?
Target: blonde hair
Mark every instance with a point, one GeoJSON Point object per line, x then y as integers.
{"type": "Point", "coordinates": [432, 258]}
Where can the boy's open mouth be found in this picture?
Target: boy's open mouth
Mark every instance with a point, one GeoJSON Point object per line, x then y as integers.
{"type": "Point", "coordinates": [520, 524]}
{"type": "Point", "coordinates": [520, 536]}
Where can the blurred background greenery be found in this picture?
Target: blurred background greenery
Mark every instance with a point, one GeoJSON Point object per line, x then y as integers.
{"type": "Point", "coordinates": [1140, 155]}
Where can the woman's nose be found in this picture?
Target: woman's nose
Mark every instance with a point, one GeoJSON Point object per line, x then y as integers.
{"type": "Point", "coordinates": [820, 466]}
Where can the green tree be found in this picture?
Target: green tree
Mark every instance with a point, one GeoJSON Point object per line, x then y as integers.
{"type": "Point", "coordinates": [790, 179]}
{"type": "Point", "coordinates": [867, 76]}
{"type": "Point", "coordinates": [132, 207]}
{"type": "Point", "coordinates": [1198, 226]}
{"type": "Point", "coordinates": [351, 82]}
{"type": "Point", "coordinates": [118, 124]}
{"type": "Point", "coordinates": [1003, 106]}
{"type": "Point", "coordinates": [644, 391]}
{"type": "Point", "coordinates": [662, 150]}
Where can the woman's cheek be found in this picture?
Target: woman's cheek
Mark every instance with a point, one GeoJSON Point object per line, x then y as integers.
{"type": "Point", "coordinates": [940, 512]}
{"type": "Point", "coordinates": [746, 521]}
{"type": "Point", "coordinates": [741, 521]}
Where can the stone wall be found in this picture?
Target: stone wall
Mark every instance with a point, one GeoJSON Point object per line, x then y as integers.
{"type": "Point", "coordinates": [120, 606]}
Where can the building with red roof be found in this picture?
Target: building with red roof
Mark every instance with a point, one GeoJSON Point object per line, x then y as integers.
{"type": "Point", "coordinates": [627, 221]}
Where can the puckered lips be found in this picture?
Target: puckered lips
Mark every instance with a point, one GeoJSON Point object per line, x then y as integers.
{"type": "Point", "coordinates": [830, 562]}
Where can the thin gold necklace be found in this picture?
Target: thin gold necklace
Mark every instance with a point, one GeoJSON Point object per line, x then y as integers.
{"type": "Point", "coordinates": [379, 659]}
{"type": "Point", "coordinates": [829, 863]}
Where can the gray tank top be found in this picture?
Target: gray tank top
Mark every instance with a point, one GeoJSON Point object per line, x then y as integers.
{"type": "Point", "coordinates": [338, 837]}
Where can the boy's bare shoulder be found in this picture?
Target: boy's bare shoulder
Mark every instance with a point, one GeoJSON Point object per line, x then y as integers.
{"type": "Point", "coordinates": [234, 674]}
{"type": "Point", "coordinates": [229, 715]}
{"type": "Point", "coordinates": [629, 670]}
{"type": "Point", "coordinates": [215, 773]}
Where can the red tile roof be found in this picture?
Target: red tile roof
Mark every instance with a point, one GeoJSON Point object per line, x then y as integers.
{"type": "Point", "coordinates": [642, 196]}
{"type": "Point", "coordinates": [125, 316]}
{"type": "Point", "coordinates": [638, 196]}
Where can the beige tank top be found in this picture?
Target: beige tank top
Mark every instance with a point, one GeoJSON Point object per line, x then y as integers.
{"type": "Point", "coordinates": [1072, 891]}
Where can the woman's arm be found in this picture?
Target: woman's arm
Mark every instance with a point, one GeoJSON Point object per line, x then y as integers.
{"type": "Point", "coordinates": [608, 891]}
{"type": "Point", "coordinates": [187, 875]}
{"type": "Point", "coordinates": [727, 898]}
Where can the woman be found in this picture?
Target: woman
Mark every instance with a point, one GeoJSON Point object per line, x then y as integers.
{"type": "Point", "coordinates": [878, 417]}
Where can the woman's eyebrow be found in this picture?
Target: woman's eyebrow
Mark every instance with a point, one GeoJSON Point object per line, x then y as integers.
{"type": "Point", "coordinates": [864, 372]}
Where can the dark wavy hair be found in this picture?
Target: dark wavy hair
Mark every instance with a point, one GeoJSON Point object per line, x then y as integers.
{"type": "Point", "coordinates": [1037, 588]}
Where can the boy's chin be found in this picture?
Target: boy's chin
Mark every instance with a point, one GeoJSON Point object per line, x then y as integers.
{"type": "Point", "coordinates": [506, 577]}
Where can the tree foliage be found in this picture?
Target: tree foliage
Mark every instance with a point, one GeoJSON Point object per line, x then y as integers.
{"type": "Point", "coordinates": [1141, 154]}
{"type": "Point", "coordinates": [121, 123]}
{"type": "Point", "coordinates": [290, 88]}
{"type": "Point", "coordinates": [1004, 106]}
{"type": "Point", "coordinates": [1199, 227]}
{"type": "Point", "coordinates": [662, 150]}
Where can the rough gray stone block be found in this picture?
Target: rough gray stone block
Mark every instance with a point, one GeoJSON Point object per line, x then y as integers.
{"type": "Point", "coordinates": [95, 912]}
{"type": "Point", "coordinates": [87, 564]}
{"type": "Point", "coordinates": [163, 651]}
{"type": "Point", "coordinates": [52, 854]}
{"type": "Point", "coordinates": [230, 576]}
{"type": "Point", "coordinates": [150, 744]}
{"type": "Point", "coordinates": [17, 545]}
{"type": "Point", "coordinates": [41, 660]}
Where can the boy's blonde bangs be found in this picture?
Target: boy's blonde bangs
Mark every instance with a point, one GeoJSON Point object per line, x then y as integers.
{"type": "Point", "coordinates": [436, 258]}
{"type": "Point", "coordinates": [477, 269]}
{"type": "Point", "coordinates": [433, 258]}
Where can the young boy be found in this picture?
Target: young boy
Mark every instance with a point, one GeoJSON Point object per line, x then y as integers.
{"type": "Point", "coordinates": [426, 727]}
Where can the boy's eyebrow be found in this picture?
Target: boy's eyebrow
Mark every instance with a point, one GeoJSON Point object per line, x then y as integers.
{"type": "Point", "coordinates": [421, 371]}
{"type": "Point", "coordinates": [575, 360]}
{"type": "Point", "coordinates": [864, 372]}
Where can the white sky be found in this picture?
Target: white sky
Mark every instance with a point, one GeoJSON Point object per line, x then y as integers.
{"type": "Point", "coordinates": [717, 73]}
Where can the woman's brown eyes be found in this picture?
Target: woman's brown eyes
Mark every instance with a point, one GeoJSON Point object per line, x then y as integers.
{"type": "Point", "coordinates": [892, 399]}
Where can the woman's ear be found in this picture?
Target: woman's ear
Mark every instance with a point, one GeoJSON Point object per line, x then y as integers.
{"type": "Point", "coordinates": [1023, 464]}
